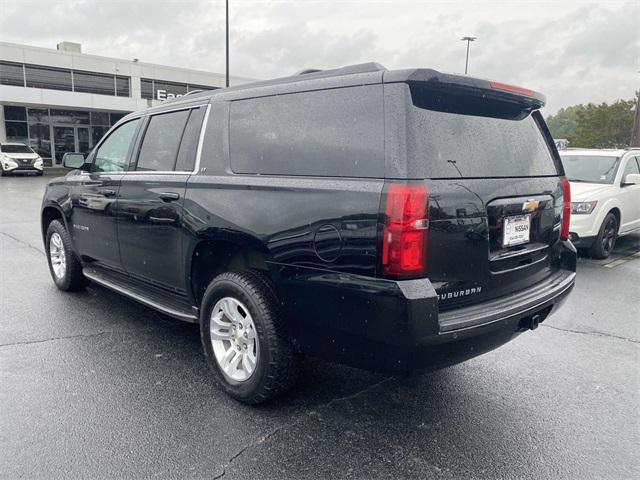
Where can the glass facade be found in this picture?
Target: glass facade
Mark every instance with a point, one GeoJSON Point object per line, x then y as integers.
{"type": "Point", "coordinates": [52, 132]}
{"type": "Point", "coordinates": [52, 78]}
{"type": "Point", "coordinates": [11, 74]}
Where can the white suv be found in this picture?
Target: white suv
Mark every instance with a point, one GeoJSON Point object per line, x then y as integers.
{"type": "Point", "coordinates": [605, 196]}
{"type": "Point", "coordinates": [19, 158]}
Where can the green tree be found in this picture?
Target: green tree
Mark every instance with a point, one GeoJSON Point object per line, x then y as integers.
{"type": "Point", "coordinates": [595, 126]}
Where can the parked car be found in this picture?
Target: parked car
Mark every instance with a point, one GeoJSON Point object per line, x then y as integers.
{"type": "Point", "coordinates": [390, 220]}
{"type": "Point", "coordinates": [19, 158]}
{"type": "Point", "coordinates": [605, 187]}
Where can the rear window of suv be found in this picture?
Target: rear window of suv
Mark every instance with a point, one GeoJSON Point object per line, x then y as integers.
{"type": "Point", "coordinates": [456, 145]}
{"type": "Point", "coordinates": [333, 133]}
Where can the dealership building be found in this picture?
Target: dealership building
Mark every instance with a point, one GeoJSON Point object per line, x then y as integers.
{"type": "Point", "coordinates": [63, 100]}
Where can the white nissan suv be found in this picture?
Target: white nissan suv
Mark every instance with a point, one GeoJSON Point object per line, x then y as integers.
{"type": "Point", "coordinates": [605, 196]}
{"type": "Point", "coordinates": [17, 157]}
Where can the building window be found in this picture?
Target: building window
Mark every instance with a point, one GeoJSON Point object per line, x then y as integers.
{"type": "Point", "coordinates": [15, 113]}
{"type": "Point", "coordinates": [76, 117]}
{"type": "Point", "coordinates": [11, 74]}
{"type": "Point", "coordinates": [122, 87]}
{"type": "Point", "coordinates": [115, 117]}
{"type": "Point", "coordinates": [100, 118]}
{"type": "Point", "coordinates": [16, 131]}
{"type": "Point", "coordinates": [146, 88]}
{"type": "Point", "coordinates": [39, 76]}
{"type": "Point", "coordinates": [48, 77]}
{"type": "Point", "coordinates": [93, 83]}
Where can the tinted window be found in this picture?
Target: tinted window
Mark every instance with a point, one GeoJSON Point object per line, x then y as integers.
{"type": "Point", "coordinates": [590, 168]}
{"type": "Point", "coordinates": [334, 133]}
{"type": "Point", "coordinates": [454, 145]}
{"type": "Point", "coordinates": [112, 154]}
{"type": "Point", "coordinates": [146, 88]}
{"type": "Point", "coordinates": [93, 83]}
{"type": "Point", "coordinates": [15, 113]}
{"type": "Point", "coordinates": [159, 148]}
{"type": "Point", "coordinates": [78, 117]}
{"type": "Point", "coordinates": [46, 77]}
{"type": "Point", "coordinates": [189, 146]}
{"type": "Point", "coordinates": [122, 86]}
{"type": "Point", "coordinates": [11, 74]}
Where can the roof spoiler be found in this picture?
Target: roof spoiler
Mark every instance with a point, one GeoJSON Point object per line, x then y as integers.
{"type": "Point", "coordinates": [462, 94]}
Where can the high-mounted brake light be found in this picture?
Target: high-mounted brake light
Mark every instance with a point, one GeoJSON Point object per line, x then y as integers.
{"type": "Point", "coordinates": [406, 229]}
{"type": "Point", "coordinates": [511, 88]}
{"type": "Point", "coordinates": [566, 209]}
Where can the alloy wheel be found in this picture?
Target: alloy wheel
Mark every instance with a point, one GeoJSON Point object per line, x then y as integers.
{"type": "Point", "coordinates": [57, 255]}
{"type": "Point", "coordinates": [234, 339]}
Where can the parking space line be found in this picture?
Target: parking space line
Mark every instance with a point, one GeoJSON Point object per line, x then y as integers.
{"type": "Point", "coordinates": [622, 260]}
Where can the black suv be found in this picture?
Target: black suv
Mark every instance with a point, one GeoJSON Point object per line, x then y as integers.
{"type": "Point", "coordinates": [390, 220]}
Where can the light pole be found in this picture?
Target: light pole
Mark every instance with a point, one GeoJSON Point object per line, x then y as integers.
{"type": "Point", "coordinates": [227, 44]}
{"type": "Point", "coordinates": [468, 40]}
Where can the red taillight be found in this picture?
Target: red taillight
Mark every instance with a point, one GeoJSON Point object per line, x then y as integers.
{"type": "Point", "coordinates": [566, 209]}
{"type": "Point", "coordinates": [511, 88]}
{"type": "Point", "coordinates": [406, 228]}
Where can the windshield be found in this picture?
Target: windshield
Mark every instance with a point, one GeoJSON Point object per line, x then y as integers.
{"type": "Point", "coordinates": [16, 149]}
{"type": "Point", "coordinates": [590, 168]}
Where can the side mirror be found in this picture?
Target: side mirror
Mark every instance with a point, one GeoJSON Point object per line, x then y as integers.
{"type": "Point", "coordinates": [73, 160]}
{"type": "Point", "coordinates": [631, 179]}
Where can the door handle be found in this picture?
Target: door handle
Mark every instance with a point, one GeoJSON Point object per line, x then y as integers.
{"type": "Point", "coordinates": [109, 193]}
{"type": "Point", "coordinates": [169, 196]}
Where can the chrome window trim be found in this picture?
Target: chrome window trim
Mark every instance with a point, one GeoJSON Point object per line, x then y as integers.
{"type": "Point", "coordinates": [203, 128]}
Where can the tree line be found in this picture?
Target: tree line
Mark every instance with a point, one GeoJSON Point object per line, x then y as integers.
{"type": "Point", "coordinates": [597, 125]}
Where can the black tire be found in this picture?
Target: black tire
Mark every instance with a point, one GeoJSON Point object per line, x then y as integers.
{"type": "Point", "coordinates": [73, 279]}
{"type": "Point", "coordinates": [277, 362]}
{"type": "Point", "coordinates": [605, 241]}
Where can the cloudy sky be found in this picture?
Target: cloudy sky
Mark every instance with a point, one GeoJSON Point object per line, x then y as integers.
{"type": "Point", "coordinates": [573, 51]}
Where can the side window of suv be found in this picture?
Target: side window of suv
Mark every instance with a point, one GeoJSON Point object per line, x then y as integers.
{"type": "Point", "coordinates": [159, 149]}
{"type": "Point", "coordinates": [631, 167]}
{"type": "Point", "coordinates": [112, 154]}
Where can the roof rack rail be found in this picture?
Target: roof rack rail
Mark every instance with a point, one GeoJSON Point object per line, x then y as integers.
{"type": "Point", "coordinates": [191, 92]}
{"type": "Point", "coordinates": [307, 71]}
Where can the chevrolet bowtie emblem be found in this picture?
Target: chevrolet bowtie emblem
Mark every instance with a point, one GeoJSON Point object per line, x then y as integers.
{"type": "Point", "coordinates": [530, 205]}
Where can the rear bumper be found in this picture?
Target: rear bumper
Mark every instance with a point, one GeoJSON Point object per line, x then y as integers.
{"type": "Point", "coordinates": [395, 326]}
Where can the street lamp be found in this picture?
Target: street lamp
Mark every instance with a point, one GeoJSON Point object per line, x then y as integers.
{"type": "Point", "coordinates": [468, 40]}
{"type": "Point", "coordinates": [227, 45]}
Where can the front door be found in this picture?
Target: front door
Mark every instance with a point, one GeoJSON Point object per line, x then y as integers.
{"type": "Point", "coordinates": [94, 196]}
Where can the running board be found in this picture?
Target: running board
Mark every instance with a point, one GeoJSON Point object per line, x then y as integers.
{"type": "Point", "coordinates": [158, 300]}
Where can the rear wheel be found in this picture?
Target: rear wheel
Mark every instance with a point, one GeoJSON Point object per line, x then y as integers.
{"type": "Point", "coordinates": [64, 266]}
{"type": "Point", "coordinates": [244, 337]}
{"type": "Point", "coordinates": [606, 239]}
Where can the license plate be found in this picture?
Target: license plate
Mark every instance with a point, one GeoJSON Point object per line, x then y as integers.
{"type": "Point", "coordinates": [516, 230]}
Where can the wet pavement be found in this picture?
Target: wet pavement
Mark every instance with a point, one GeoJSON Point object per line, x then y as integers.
{"type": "Point", "coordinates": [94, 385]}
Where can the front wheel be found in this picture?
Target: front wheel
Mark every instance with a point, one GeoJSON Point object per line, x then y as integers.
{"type": "Point", "coordinates": [64, 266]}
{"type": "Point", "coordinates": [244, 337]}
{"type": "Point", "coordinates": [606, 239]}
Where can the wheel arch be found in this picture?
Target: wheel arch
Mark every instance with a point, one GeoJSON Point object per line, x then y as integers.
{"type": "Point", "coordinates": [51, 212]}
{"type": "Point", "coordinates": [208, 257]}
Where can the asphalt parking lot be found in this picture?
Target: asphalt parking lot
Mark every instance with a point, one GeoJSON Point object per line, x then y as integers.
{"type": "Point", "coordinates": [93, 385]}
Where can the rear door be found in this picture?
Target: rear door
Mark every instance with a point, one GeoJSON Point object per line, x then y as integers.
{"type": "Point", "coordinates": [151, 198]}
{"type": "Point", "coordinates": [495, 196]}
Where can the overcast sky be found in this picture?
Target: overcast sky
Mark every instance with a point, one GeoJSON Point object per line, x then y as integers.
{"type": "Point", "coordinates": [573, 51]}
